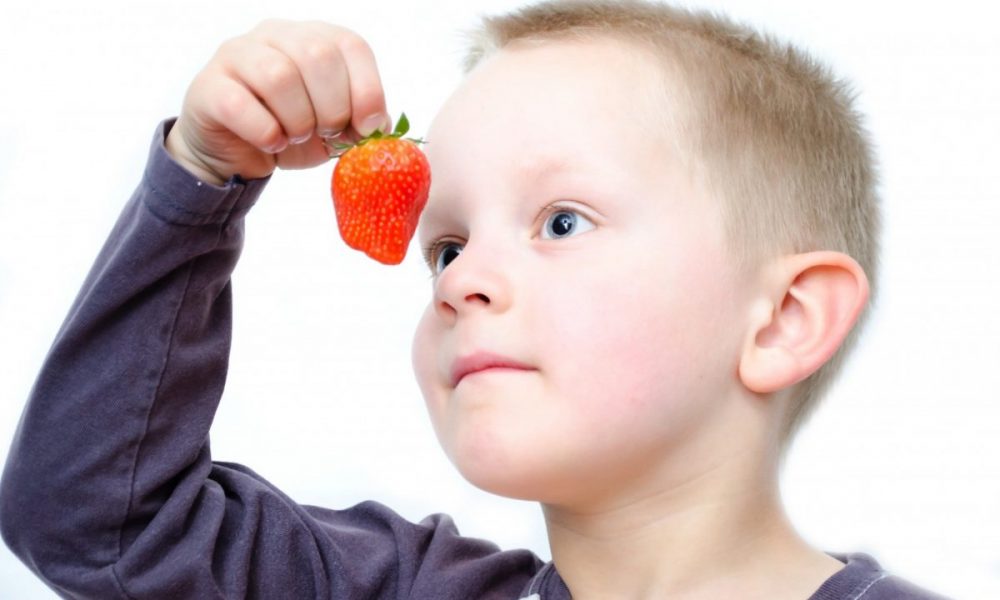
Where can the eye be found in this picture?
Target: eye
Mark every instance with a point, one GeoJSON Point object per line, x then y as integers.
{"type": "Point", "coordinates": [565, 223]}
{"type": "Point", "coordinates": [440, 254]}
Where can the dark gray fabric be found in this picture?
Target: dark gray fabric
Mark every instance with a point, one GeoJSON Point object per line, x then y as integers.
{"type": "Point", "coordinates": [109, 490]}
{"type": "Point", "coordinates": [863, 578]}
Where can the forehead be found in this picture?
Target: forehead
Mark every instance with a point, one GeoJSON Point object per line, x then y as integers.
{"type": "Point", "coordinates": [534, 108]}
{"type": "Point", "coordinates": [534, 89]}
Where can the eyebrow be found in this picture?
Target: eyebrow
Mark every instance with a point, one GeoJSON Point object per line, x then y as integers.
{"type": "Point", "coordinates": [429, 215]}
{"type": "Point", "coordinates": [542, 166]}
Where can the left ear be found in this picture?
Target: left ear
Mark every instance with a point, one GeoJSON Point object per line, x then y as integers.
{"type": "Point", "coordinates": [812, 302]}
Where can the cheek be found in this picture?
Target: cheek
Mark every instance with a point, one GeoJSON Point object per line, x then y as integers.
{"type": "Point", "coordinates": [641, 343]}
{"type": "Point", "coordinates": [424, 359]}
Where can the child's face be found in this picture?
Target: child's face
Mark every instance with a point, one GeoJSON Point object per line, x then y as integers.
{"type": "Point", "coordinates": [589, 257]}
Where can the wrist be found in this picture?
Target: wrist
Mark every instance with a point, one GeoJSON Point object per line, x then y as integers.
{"type": "Point", "coordinates": [183, 156]}
{"type": "Point", "coordinates": [180, 197]}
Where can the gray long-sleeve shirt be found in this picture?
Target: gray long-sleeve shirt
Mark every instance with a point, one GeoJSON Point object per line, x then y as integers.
{"type": "Point", "coordinates": [110, 491]}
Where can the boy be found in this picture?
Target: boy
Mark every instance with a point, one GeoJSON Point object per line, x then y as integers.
{"type": "Point", "coordinates": [649, 233]}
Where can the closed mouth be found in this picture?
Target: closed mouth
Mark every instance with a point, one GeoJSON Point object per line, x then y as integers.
{"type": "Point", "coordinates": [483, 361]}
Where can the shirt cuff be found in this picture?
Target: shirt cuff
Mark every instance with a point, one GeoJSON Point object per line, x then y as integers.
{"type": "Point", "coordinates": [179, 197]}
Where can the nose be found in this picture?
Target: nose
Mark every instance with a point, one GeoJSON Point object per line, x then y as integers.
{"type": "Point", "coordinates": [472, 282]}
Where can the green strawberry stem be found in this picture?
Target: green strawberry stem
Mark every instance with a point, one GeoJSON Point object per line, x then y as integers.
{"type": "Point", "coordinates": [402, 127]}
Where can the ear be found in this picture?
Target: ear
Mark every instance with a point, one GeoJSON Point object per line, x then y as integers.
{"type": "Point", "coordinates": [812, 302]}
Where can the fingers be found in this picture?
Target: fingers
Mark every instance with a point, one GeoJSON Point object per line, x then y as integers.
{"type": "Point", "coordinates": [335, 85]}
{"type": "Point", "coordinates": [275, 95]}
{"type": "Point", "coordinates": [275, 79]}
{"type": "Point", "coordinates": [325, 74]}
{"type": "Point", "coordinates": [368, 111]}
{"type": "Point", "coordinates": [229, 103]}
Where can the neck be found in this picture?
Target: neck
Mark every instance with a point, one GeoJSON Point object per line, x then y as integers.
{"type": "Point", "coordinates": [715, 530]}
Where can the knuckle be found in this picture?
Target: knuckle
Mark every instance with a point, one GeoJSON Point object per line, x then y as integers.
{"type": "Point", "coordinates": [320, 52]}
{"type": "Point", "coordinates": [230, 48]}
{"type": "Point", "coordinates": [230, 105]}
{"type": "Point", "coordinates": [277, 73]}
{"type": "Point", "coordinates": [353, 44]}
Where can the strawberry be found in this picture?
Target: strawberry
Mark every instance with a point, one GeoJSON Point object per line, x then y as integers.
{"type": "Point", "coordinates": [380, 187]}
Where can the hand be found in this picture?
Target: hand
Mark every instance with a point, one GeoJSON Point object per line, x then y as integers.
{"type": "Point", "coordinates": [272, 97]}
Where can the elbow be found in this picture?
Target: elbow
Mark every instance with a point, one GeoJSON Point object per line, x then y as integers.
{"type": "Point", "coordinates": [16, 518]}
{"type": "Point", "coordinates": [35, 517]}
{"type": "Point", "coordinates": [48, 545]}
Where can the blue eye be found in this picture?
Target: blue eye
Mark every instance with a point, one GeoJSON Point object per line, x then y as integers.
{"type": "Point", "coordinates": [565, 223]}
{"type": "Point", "coordinates": [561, 223]}
{"type": "Point", "coordinates": [444, 253]}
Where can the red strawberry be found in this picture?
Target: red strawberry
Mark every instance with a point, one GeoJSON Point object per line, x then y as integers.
{"type": "Point", "coordinates": [380, 187]}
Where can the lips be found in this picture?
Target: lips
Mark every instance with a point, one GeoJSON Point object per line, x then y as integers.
{"type": "Point", "coordinates": [482, 361]}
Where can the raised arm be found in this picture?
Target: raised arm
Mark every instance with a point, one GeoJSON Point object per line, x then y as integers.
{"type": "Point", "coordinates": [118, 418]}
{"type": "Point", "coordinates": [109, 490]}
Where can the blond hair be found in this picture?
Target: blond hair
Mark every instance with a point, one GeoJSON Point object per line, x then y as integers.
{"type": "Point", "coordinates": [777, 135]}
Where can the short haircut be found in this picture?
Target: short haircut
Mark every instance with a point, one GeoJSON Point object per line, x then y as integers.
{"type": "Point", "coordinates": [776, 134]}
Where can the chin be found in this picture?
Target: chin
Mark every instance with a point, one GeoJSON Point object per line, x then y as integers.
{"type": "Point", "coordinates": [492, 468]}
{"type": "Point", "coordinates": [509, 484]}
{"type": "Point", "coordinates": [518, 471]}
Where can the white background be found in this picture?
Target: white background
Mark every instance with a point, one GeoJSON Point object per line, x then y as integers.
{"type": "Point", "coordinates": [903, 461]}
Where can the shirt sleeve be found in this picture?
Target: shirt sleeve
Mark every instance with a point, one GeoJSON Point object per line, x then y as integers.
{"type": "Point", "coordinates": [109, 490]}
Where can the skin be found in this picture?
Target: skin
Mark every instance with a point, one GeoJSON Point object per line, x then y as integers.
{"type": "Point", "coordinates": [647, 422]}
{"type": "Point", "coordinates": [656, 465]}
{"type": "Point", "coordinates": [271, 97]}
{"type": "Point", "coordinates": [594, 312]}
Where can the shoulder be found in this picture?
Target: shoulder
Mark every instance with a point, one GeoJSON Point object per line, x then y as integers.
{"type": "Point", "coordinates": [864, 579]}
{"type": "Point", "coordinates": [431, 556]}
{"type": "Point", "coordinates": [892, 587]}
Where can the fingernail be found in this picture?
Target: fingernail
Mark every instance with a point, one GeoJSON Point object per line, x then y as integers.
{"type": "Point", "coordinates": [302, 138]}
{"type": "Point", "coordinates": [329, 134]}
{"type": "Point", "coordinates": [277, 146]}
{"type": "Point", "coordinates": [369, 125]}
